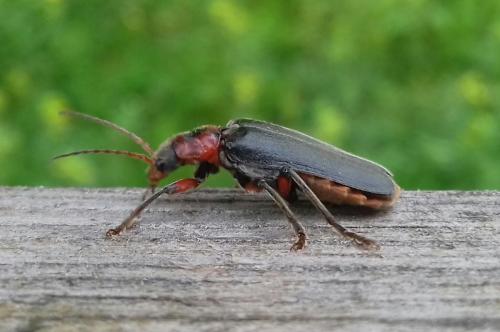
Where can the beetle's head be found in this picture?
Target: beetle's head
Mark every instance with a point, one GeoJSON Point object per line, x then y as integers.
{"type": "Point", "coordinates": [165, 161]}
{"type": "Point", "coordinates": [199, 145]}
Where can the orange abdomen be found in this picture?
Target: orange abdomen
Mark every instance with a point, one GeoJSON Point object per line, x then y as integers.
{"type": "Point", "coordinates": [331, 192]}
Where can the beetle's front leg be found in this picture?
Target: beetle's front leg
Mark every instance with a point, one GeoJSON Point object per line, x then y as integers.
{"type": "Point", "coordinates": [150, 191]}
{"type": "Point", "coordinates": [202, 172]}
{"type": "Point", "coordinates": [180, 186]}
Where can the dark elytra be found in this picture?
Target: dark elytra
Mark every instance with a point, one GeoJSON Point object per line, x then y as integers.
{"type": "Point", "coordinates": [263, 149]}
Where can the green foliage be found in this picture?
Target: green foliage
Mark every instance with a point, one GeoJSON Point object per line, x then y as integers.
{"type": "Point", "coordinates": [413, 85]}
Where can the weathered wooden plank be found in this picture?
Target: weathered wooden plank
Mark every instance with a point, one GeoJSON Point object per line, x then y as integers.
{"type": "Point", "coordinates": [218, 260]}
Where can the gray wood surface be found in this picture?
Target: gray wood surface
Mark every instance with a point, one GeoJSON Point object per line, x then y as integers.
{"type": "Point", "coordinates": [218, 260]}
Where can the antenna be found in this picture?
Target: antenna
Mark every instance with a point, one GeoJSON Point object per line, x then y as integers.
{"type": "Point", "coordinates": [145, 146]}
{"type": "Point", "coordinates": [133, 155]}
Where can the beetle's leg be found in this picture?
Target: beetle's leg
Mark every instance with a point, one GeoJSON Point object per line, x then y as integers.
{"type": "Point", "coordinates": [247, 184]}
{"type": "Point", "coordinates": [180, 186]}
{"type": "Point", "coordinates": [359, 240]}
{"type": "Point", "coordinates": [150, 191]}
{"type": "Point", "coordinates": [204, 170]}
{"type": "Point", "coordinates": [283, 205]}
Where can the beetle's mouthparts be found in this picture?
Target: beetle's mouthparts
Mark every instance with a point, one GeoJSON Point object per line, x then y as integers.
{"type": "Point", "coordinates": [155, 175]}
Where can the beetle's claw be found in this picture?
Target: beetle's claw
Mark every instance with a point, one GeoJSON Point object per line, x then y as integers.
{"type": "Point", "coordinates": [361, 241]}
{"type": "Point", "coordinates": [365, 243]}
{"type": "Point", "coordinates": [113, 232]}
{"type": "Point", "coordinates": [300, 243]}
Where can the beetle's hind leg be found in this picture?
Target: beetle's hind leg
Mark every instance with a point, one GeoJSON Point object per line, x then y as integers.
{"type": "Point", "coordinates": [359, 240]}
{"type": "Point", "coordinates": [283, 205]}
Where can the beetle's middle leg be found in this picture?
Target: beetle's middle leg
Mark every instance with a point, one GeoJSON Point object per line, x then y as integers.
{"type": "Point", "coordinates": [359, 240]}
{"type": "Point", "coordinates": [283, 205]}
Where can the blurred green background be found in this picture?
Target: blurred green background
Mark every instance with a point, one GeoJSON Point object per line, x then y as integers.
{"type": "Point", "coordinates": [413, 85]}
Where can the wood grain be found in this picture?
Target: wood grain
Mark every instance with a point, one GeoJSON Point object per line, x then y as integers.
{"type": "Point", "coordinates": [219, 260]}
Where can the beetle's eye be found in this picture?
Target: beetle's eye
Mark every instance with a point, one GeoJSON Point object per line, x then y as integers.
{"type": "Point", "coordinates": [166, 166]}
{"type": "Point", "coordinates": [161, 166]}
{"type": "Point", "coordinates": [166, 160]}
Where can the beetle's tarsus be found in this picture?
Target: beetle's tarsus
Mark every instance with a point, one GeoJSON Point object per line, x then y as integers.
{"type": "Point", "coordinates": [121, 229]}
{"type": "Point", "coordinates": [129, 223]}
{"type": "Point", "coordinates": [363, 242]}
{"type": "Point", "coordinates": [113, 232]}
{"type": "Point", "coordinates": [300, 243]}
